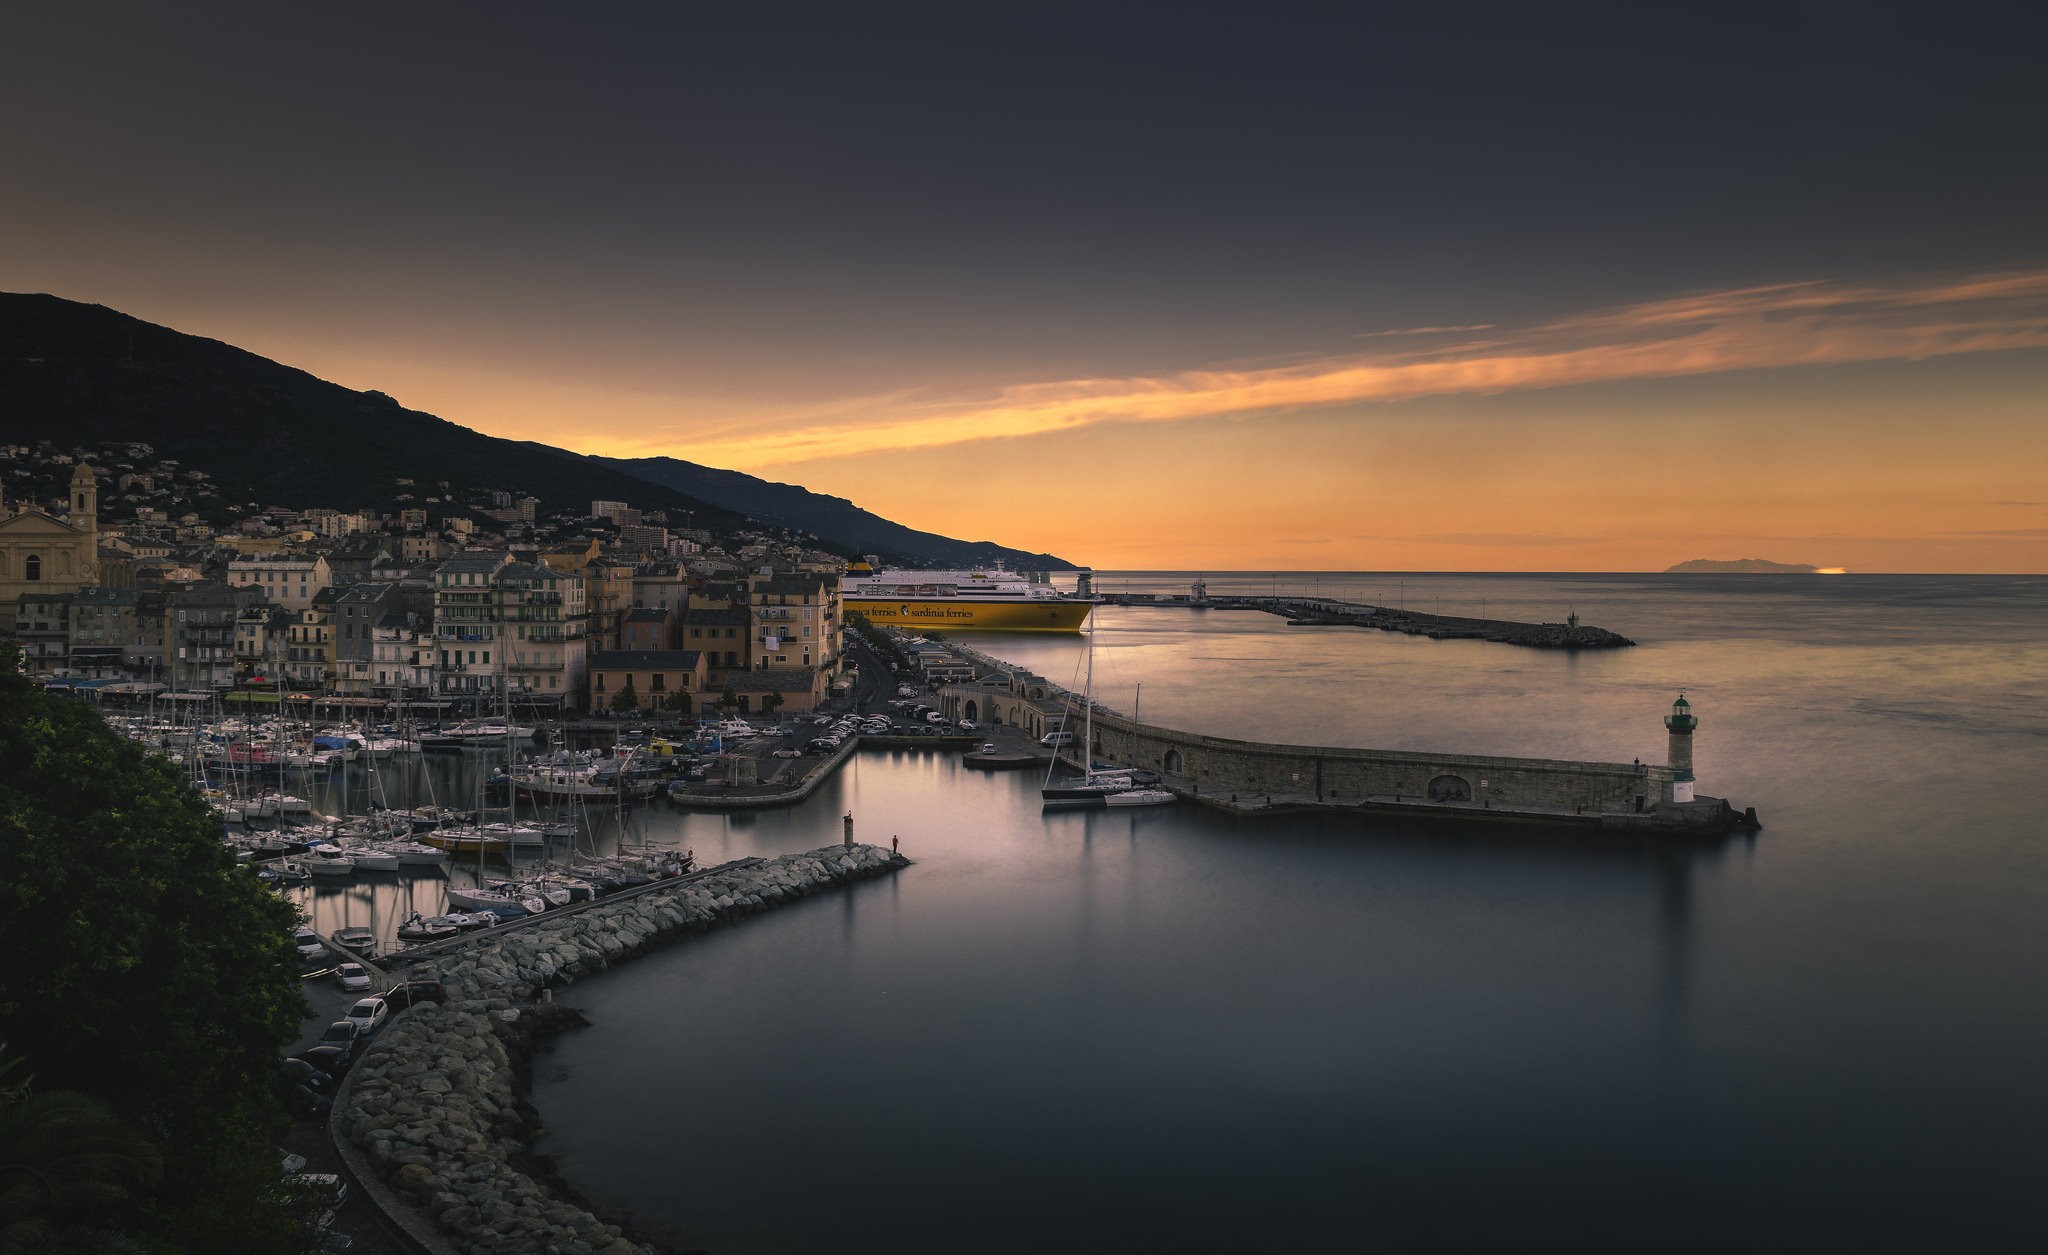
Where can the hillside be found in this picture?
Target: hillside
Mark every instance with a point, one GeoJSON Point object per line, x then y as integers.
{"type": "Point", "coordinates": [834, 519]}
{"type": "Point", "coordinates": [262, 431]}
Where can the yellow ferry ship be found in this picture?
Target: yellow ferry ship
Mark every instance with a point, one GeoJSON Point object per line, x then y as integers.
{"type": "Point", "coordinates": [996, 601]}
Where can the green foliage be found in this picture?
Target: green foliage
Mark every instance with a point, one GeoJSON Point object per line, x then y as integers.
{"type": "Point", "coordinates": [66, 1167]}
{"type": "Point", "coordinates": [679, 700]}
{"type": "Point", "coordinates": [771, 702]}
{"type": "Point", "coordinates": [144, 967]}
{"type": "Point", "coordinates": [730, 699]}
{"type": "Point", "coordinates": [626, 698]}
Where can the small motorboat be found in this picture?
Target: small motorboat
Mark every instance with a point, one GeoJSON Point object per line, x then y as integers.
{"type": "Point", "coordinates": [1138, 797]}
{"type": "Point", "coordinates": [421, 928]}
{"type": "Point", "coordinates": [356, 938]}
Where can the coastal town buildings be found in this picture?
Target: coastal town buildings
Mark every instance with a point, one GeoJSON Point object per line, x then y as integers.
{"type": "Point", "coordinates": [199, 635]}
{"type": "Point", "coordinates": [651, 679]}
{"type": "Point", "coordinates": [439, 597]}
{"type": "Point", "coordinates": [46, 552]}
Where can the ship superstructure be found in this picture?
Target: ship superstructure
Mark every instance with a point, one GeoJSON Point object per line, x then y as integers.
{"type": "Point", "coordinates": [990, 600]}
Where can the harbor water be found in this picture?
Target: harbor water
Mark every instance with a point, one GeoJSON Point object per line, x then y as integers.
{"type": "Point", "coordinates": [1175, 1030]}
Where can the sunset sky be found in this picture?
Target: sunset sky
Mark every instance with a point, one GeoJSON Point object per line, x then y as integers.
{"type": "Point", "coordinates": [1185, 287]}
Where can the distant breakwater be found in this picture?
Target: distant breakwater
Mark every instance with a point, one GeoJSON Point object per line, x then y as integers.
{"type": "Point", "coordinates": [1324, 612]}
{"type": "Point", "coordinates": [435, 1121]}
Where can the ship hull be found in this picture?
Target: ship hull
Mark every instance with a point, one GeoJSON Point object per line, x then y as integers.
{"type": "Point", "coordinates": [1036, 615]}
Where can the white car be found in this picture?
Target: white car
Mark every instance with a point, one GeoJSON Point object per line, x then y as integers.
{"type": "Point", "coordinates": [369, 1014]}
{"type": "Point", "coordinates": [968, 725]}
{"type": "Point", "coordinates": [352, 976]}
{"type": "Point", "coordinates": [787, 753]}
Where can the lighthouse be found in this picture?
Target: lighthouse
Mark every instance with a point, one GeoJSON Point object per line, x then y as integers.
{"type": "Point", "coordinates": [1680, 723]}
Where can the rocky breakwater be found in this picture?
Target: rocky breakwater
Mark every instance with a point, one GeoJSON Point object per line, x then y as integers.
{"type": "Point", "coordinates": [438, 1109]}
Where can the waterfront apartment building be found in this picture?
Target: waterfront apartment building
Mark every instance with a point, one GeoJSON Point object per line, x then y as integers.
{"type": "Point", "coordinates": [109, 633]}
{"type": "Point", "coordinates": [794, 622]}
{"type": "Point", "coordinates": [42, 628]}
{"type": "Point", "coordinates": [199, 634]}
{"type": "Point", "coordinates": [501, 624]}
{"type": "Point", "coordinates": [309, 644]}
{"type": "Point", "coordinates": [403, 652]}
{"type": "Point", "coordinates": [651, 679]}
{"type": "Point", "coordinates": [261, 631]}
{"type": "Point", "coordinates": [357, 612]}
{"type": "Point", "coordinates": [285, 581]}
{"type": "Point", "coordinates": [722, 634]}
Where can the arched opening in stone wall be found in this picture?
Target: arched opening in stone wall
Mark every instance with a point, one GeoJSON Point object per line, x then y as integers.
{"type": "Point", "coordinates": [1037, 694]}
{"type": "Point", "coordinates": [32, 569]}
{"type": "Point", "coordinates": [1173, 764]}
{"type": "Point", "coordinates": [1450, 789]}
{"type": "Point", "coordinates": [971, 711]}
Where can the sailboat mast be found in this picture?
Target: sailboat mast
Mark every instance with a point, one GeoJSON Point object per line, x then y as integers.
{"type": "Point", "coordinates": [1088, 719]}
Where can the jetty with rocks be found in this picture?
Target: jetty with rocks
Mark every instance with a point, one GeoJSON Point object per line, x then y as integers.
{"type": "Point", "coordinates": [434, 1123]}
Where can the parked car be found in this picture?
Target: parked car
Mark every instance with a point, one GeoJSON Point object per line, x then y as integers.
{"type": "Point", "coordinates": [300, 1072]}
{"type": "Point", "coordinates": [988, 747]}
{"type": "Point", "coordinates": [968, 725]}
{"type": "Point", "coordinates": [787, 753]}
{"type": "Point", "coordinates": [326, 1189]}
{"type": "Point", "coordinates": [344, 1035]}
{"type": "Point", "coordinates": [332, 1060]}
{"type": "Point", "coordinates": [415, 991]}
{"type": "Point", "coordinates": [308, 943]}
{"type": "Point", "coordinates": [1052, 739]}
{"type": "Point", "coordinates": [352, 976]}
{"type": "Point", "coordinates": [369, 1014]}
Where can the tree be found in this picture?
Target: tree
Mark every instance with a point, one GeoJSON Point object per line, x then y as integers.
{"type": "Point", "coordinates": [678, 701]}
{"type": "Point", "coordinates": [730, 699]}
{"type": "Point", "coordinates": [771, 702]}
{"type": "Point", "coordinates": [144, 967]}
{"type": "Point", "coordinates": [66, 1166]}
{"type": "Point", "coordinates": [626, 698]}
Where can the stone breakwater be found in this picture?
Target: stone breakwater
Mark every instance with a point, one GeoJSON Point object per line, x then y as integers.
{"type": "Point", "coordinates": [437, 1109]}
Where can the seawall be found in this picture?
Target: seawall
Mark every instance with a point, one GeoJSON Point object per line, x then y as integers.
{"type": "Point", "coordinates": [434, 1122]}
{"type": "Point", "coordinates": [1246, 775]}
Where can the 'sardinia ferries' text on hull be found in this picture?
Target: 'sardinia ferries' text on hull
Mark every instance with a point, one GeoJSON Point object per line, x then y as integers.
{"type": "Point", "coordinates": [991, 600]}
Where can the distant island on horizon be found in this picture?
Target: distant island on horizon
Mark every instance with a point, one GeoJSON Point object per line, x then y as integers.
{"type": "Point", "coordinates": [1741, 566]}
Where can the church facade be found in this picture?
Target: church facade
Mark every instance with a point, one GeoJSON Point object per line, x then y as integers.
{"type": "Point", "coordinates": [40, 553]}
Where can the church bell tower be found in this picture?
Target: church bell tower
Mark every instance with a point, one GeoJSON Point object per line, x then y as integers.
{"type": "Point", "coordinates": [85, 516]}
{"type": "Point", "coordinates": [1680, 723]}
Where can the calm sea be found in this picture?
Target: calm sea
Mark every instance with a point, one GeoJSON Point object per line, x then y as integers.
{"type": "Point", "coordinates": [1176, 1031]}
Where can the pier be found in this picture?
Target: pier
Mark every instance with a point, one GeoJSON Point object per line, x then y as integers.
{"type": "Point", "coordinates": [433, 1124]}
{"type": "Point", "coordinates": [1328, 612]}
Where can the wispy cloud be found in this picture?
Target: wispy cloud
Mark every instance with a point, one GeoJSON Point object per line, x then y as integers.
{"type": "Point", "coordinates": [1422, 331]}
{"type": "Point", "coordinates": [1811, 323]}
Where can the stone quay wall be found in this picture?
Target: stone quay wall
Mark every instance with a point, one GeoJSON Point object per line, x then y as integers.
{"type": "Point", "coordinates": [436, 1109]}
{"type": "Point", "coordinates": [1333, 774]}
